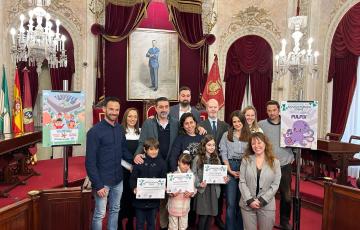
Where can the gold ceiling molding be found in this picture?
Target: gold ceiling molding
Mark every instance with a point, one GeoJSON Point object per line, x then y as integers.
{"type": "Point", "coordinates": [187, 6]}
{"type": "Point", "coordinates": [61, 7]}
{"type": "Point", "coordinates": [252, 17]}
{"type": "Point", "coordinates": [125, 2]}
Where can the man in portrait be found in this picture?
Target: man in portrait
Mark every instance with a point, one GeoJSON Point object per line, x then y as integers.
{"type": "Point", "coordinates": [153, 55]}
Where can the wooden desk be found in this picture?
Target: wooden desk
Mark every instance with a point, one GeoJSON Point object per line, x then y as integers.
{"type": "Point", "coordinates": [13, 154]}
{"type": "Point", "coordinates": [340, 152]}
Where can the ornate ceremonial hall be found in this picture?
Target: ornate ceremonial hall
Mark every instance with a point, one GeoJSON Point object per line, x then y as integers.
{"type": "Point", "coordinates": [65, 63]}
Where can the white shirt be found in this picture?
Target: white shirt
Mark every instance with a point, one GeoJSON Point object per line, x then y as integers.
{"type": "Point", "coordinates": [182, 112]}
{"type": "Point", "coordinates": [131, 135]}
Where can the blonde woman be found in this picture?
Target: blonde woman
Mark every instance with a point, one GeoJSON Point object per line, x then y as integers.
{"type": "Point", "coordinates": [251, 118]}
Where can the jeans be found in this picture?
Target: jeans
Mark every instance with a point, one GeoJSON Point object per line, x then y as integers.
{"type": "Point", "coordinates": [114, 196]}
{"type": "Point", "coordinates": [233, 213]}
{"type": "Point", "coordinates": [285, 194]}
{"type": "Point", "coordinates": [147, 215]}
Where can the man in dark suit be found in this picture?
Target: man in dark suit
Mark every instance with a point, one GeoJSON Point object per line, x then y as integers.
{"type": "Point", "coordinates": [217, 128]}
{"type": "Point", "coordinates": [184, 105]}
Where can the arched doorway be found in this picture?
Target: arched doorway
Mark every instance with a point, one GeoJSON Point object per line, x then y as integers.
{"type": "Point", "coordinates": [249, 69]}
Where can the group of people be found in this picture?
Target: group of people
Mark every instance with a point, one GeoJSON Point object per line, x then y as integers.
{"type": "Point", "coordinates": [175, 140]}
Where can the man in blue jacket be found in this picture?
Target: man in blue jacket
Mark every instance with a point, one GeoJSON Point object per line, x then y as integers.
{"type": "Point", "coordinates": [105, 148]}
{"type": "Point", "coordinates": [153, 55]}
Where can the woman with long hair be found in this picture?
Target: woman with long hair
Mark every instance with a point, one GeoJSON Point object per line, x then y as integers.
{"type": "Point", "coordinates": [251, 118]}
{"type": "Point", "coordinates": [260, 175]}
{"type": "Point", "coordinates": [130, 123]}
{"type": "Point", "coordinates": [188, 140]}
{"type": "Point", "coordinates": [232, 148]}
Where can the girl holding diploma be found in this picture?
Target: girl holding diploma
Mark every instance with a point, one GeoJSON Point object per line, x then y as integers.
{"type": "Point", "coordinates": [259, 180]}
{"type": "Point", "coordinates": [179, 203]}
{"type": "Point", "coordinates": [206, 200]}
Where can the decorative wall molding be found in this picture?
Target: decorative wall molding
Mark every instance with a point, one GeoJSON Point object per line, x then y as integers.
{"type": "Point", "coordinates": [252, 17]}
{"type": "Point", "coordinates": [335, 17]}
{"type": "Point", "coordinates": [337, 7]}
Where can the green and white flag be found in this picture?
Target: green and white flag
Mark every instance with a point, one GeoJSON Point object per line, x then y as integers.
{"type": "Point", "coordinates": [5, 122]}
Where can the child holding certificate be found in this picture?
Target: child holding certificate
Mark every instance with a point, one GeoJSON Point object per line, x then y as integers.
{"type": "Point", "coordinates": [206, 200]}
{"type": "Point", "coordinates": [179, 202]}
{"type": "Point", "coordinates": [153, 167]}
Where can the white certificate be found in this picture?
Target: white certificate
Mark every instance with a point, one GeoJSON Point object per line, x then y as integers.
{"type": "Point", "coordinates": [214, 174]}
{"type": "Point", "coordinates": [150, 188]}
{"type": "Point", "coordinates": [180, 182]}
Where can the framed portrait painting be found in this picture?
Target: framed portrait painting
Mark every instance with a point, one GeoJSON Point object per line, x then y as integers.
{"type": "Point", "coordinates": [153, 65]}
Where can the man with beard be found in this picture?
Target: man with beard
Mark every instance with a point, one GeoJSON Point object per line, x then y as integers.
{"type": "Point", "coordinates": [271, 128]}
{"type": "Point", "coordinates": [105, 148]}
{"type": "Point", "coordinates": [164, 129]}
{"type": "Point", "coordinates": [184, 105]}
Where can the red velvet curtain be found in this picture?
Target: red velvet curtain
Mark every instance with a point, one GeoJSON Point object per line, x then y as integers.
{"type": "Point", "coordinates": [64, 73]}
{"type": "Point", "coordinates": [248, 57]}
{"type": "Point", "coordinates": [261, 90]}
{"type": "Point", "coordinates": [345, 50]}
{"type": "Point", "coordinates": [194, 48]}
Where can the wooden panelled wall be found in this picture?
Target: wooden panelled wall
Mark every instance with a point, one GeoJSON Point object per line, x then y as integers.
{"type": "Point", "coordinates": [63, 208]}
{"type": "Point", "coordinates": [341, 207]}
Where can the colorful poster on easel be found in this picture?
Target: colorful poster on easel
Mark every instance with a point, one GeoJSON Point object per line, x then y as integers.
{"type": "Point", "coordinates": [299, 120]}
{"type": "Point", "coordinates": [63, 118]}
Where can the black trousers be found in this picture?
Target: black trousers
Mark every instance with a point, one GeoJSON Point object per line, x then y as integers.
{"type": "Point", "coordinates": [285, 194]}
{"type": "Point", "coordinates": [204, 222]}
{"type": "Point", "coordinates": [147, 216]}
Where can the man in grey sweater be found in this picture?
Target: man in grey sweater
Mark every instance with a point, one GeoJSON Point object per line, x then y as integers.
{"type": "Point", "coordinates": [271, 128]}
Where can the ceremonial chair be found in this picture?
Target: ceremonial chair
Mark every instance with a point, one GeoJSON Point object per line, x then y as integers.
{"type": "Point", "coordinates": [354, 163]}
{"type": "Point", "coordinates": [333, 136]}
{"type": "Point", "coordinates": [149, 109]}
{"type": "Point", "coordinates": [203, 115]}
{"type": "Point", "coordinates": [98, 114]}
{"type": "Point", "coordinates": [329, 164]}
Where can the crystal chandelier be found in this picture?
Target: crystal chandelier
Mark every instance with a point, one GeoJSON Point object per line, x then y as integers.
{"type": "Point", "coordinates": [299, 58]}
{"type": "Point", "coordinates": [38, 41]}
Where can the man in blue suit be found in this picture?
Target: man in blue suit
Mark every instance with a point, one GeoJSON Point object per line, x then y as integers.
{"type": "Point", "coordinates": [153, 55]}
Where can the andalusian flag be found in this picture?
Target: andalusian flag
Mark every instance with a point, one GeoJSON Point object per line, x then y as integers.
{"type": "Point", "coordinates": [17, 122]}
{"type": "Point", "coordinates": [5, 118]}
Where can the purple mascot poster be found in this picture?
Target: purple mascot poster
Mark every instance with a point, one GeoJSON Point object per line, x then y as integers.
{"type": "Point", "coordinates": [299, 124]}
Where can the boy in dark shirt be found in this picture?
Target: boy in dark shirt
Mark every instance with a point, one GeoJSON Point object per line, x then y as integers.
{"type": "Point", "coordinates": [153, 167]}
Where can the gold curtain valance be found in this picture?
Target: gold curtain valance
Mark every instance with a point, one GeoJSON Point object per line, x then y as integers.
{"type": "Point", "coordinates": [187, 6]}
{"type": "Point", "coordinates": [125, 2]}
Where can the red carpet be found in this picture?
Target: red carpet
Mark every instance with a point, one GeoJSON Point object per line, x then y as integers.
{"type": "Point", "coordinates": [310, 191]}
{"type": "Point", "coordinates": [51, 177]}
